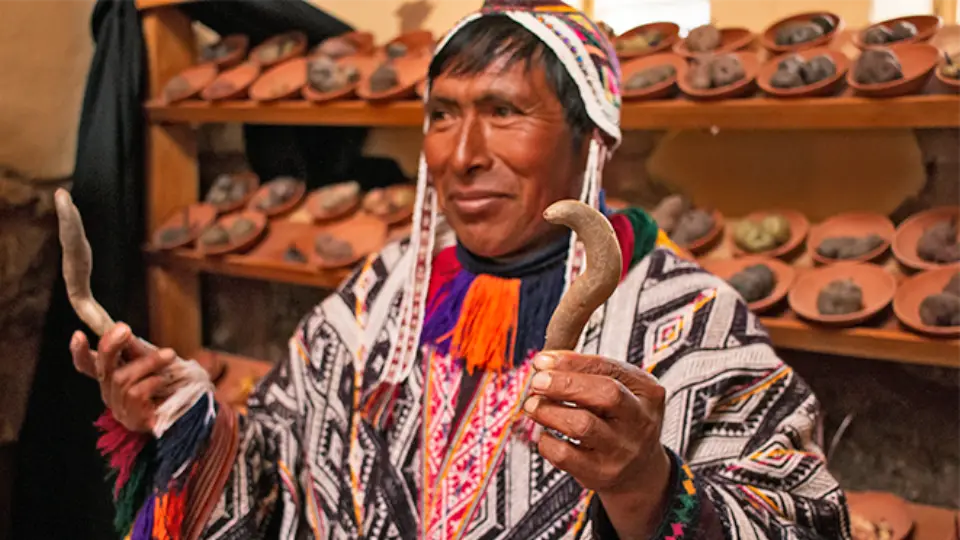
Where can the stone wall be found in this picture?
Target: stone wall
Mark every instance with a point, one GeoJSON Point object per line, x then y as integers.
{"type": "Point", "coordinates": [28, 263]}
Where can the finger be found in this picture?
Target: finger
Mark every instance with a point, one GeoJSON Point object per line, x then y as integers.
{"type": "Point", "coordinates": [144, 392]}
{"type": "Point", "coordinates": [111, 345]}
{"type": "Point", "coordinates": [605, 396]}
{"type": "Point", "coordinates": [580, 463]}
{"type": "Point", "coordinates": [84, 360]}
{"type": "Point", "coordinates": [140, 368]}
{"type": "Point", "coordinates": [638, 381]}
{"type": "Point", "coordinates": [588, 429]}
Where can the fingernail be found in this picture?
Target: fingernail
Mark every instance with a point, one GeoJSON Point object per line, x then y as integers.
{"type": "Point", "coordinates": [167, 354]}
{"type": "Point", "coordinates": [531, 404]}
{"type": "Point", "coordinates": [541, 381]}
{"type": "Point", "coordinates": [123, 333]}
{"type": "Point", "coordinates": [544, 361]}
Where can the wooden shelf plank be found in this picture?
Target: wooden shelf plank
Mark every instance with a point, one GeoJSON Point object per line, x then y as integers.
{"type": "Point", "coordinates": [234, 266]}
{"type": "Point", "coordinates": [844, 112]}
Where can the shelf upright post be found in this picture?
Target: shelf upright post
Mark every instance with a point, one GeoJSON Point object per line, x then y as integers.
{"type": "Point", "coordinates": [171, 176]}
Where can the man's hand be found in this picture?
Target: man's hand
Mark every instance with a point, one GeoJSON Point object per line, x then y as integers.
{"type": "Point", "coordinates": [616, 419]}
{"type": "Point", "coordinates": [132, 390]}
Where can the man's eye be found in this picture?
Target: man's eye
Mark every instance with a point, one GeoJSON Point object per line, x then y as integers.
{"type": "Point", "coordinates": [503, 111]}
{"type": "Point", "coordinates": [437, 115]}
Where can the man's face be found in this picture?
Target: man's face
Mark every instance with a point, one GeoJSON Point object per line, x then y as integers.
{"type": "Point", "coordinates": [500, 152]}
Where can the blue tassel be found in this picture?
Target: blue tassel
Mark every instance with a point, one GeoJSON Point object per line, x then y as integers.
{"type": "Point", "coordinates": [182, 443]}
{"type": "Point", "coordinates": [539, 296]}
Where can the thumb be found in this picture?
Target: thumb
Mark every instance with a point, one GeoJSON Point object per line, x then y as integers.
{"type": "Point", "coordinates": [137, 347]}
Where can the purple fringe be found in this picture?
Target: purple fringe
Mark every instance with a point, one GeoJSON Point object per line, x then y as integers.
{"type": "Point", "coordinates": [143, 527]}
{"type": "Point", "coordinates": [443, 315]}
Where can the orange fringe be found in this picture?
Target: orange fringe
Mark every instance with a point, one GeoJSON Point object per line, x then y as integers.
{"type": "Point", "coordinates": [485, 334]}
{"type": "Point", "coordinates": [168, 515]}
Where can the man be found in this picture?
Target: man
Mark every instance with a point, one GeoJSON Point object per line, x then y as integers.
{"type": "Point", "coordinates": [402, 413]}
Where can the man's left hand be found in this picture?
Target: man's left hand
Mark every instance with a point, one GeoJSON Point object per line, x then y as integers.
{"type": "Point", "coordinates": [616, 417]}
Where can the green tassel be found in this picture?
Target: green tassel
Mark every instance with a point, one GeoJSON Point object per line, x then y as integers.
{"type": "Point", "coordinates": [134, 492]}
{"type": "Point", "coordinates": [645, 232]}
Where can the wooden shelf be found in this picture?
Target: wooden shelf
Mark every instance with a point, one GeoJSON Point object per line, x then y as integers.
{"type": "Point", "coordinates": [932, 110]}
{"type": "Point", "coordinates": [239, 375]}
{"type": "Point", "coordinates": [236, 266]}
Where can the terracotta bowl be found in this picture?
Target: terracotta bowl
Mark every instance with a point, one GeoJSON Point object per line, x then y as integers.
{"type": "Point", "coordinates": [768, 38]}
{"type": "Point", "coordinates": [411, 69]}
{"type": "Point", "coordinates": [741, 88]}
{"type": "Point", "coordinates": [417, 41]}
{"type": "Point", "coordinates": [911, 292]}
{"type": "Point", "coordinates": [910, 231]}
{"type": "Point", "coordinates": [799, 228]}
{"type": "Point", "coordinates": [320, 214]}
{"type": "Point", "coordinates": [252, 182]}
{"type": "Point", "coordinates": [281, 82]}
{"type": "Point", "coordinates": [783, 272]}
{"type": "Point", "coordinates": [400, 215]}
{"type": "Point", "coordinates": [238, 45]}
{"type": "Point", "coordinates": [707, 241]}
{"type": "Point", "coordinates": [731, 40]}
{"type": "Point", "coordinates": [660, 90]}
{"type": "Point", "coordinates": [949, 83]}
{"type": "Point", "coordinates": [237, 244]}
{"type": "Point", "coordinates": [669, 31]}
{"type": "Point", "coordinates": [298, 49]}
{"type": "Point", "coordinates": [927, 27]}
{"type": "Point", "coordinates": [852, 224]}
{"type": "Point", "coordinates": [282, 209]}
{"type": "Point", "coordinates": [877, 507]}
{"type": "Point", "coordinates": [233, 83]}
{"type": "Point", "coordinates": [826, 87]}
{"type": "Point", "coordinates": [364, 64]}
{"type": "Point", "coordinates": [196, 78]}
{"type": "Point", "coordinates": [877, 284]}
{"type": "Point", "coordinates": [917, 60]}
{"type": "Point", "coordinates": [365, 233]}
{"type": "Point", "coordinates": [363, 41]}
{"type": "Point", "coordinates": [199, 216]}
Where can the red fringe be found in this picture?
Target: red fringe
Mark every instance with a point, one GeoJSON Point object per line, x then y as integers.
{"type": "Point", "coordinates": [168, 516]}
{"type": "Point", "coordinates": [120, 445]}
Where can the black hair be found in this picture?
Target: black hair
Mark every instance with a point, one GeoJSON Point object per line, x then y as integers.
{"type": "Point", "coordinates": [481, 42]}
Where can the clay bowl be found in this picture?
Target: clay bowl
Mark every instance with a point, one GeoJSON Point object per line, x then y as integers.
{"type": "Point", "coordinates": [362, 41]}
{"type": "Point", "coordinates": [237, 244]}
{"type": "Point", "coordinates": [911, 292]}
{"type": "Point", "coordinates": [660, 90]}
{"type": "Point", "coordinates": [799, 227]}
{"type": "Point", "coordinates": [279, 210]}
{"type": "Point", "coordinates": [918, 62]}
{"type": "Point", "coordinates": [281, 82]}
{"type": "Point", "coordinates": [783, 273]}
{"type": "Point", "coordinates": [950, 83]}
{"type": "Point", "coordinates": [927, 27]}
{"type": "Point", "coordinates": [707, 241]}
{"type": "Point", "coordinates": [877, 507]}
{"type": "Point", "coordinates": [318, 213]}
{"type": "Point", "coordinates": [237, 45]}
{"type": "Point", "coordinates": [365, 233]}
{"type": "Point", "coordinates": [741, 88]}
{"type": "Point", "coordinates": [910, 231]}
{"type": "Point", "coordinates": [877, 284]}
{"type": "Point", "coordinates": [199, 216]}
{"type": "Point", "coordinates": [252, 182]}
{"type": "Point", "coordinates": [418, 42]}
{"type": "Point", "coordinates": [364, 64]}
{"type": "Point", "coordinates": [768, 37]}
{"type": "Point", "coordinates": [826, 87]}
{"type": "Point", "coordinates": [196, 78]}
{"type": "Point", "coordinates": [852, 224]}
{"type": "Point", "coordinates": [397, 216]}
{"type": "Point", "coordinates": [233, 83]}
{"type": "Point", "coordinates": [298, 49]}
{"type": "Point", "coordinates": [669, 31]}
{"type": "Point", "coordinates": [411, 69]}
{"type": "Point", "coordinates": [731, 40]}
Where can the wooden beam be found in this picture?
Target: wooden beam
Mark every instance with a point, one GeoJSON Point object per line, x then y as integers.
{"type": "Point", "coordinates": [171, 178]}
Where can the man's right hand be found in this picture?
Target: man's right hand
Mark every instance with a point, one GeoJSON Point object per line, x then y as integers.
{"type": "Point", "coordinates": [132, 389]}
